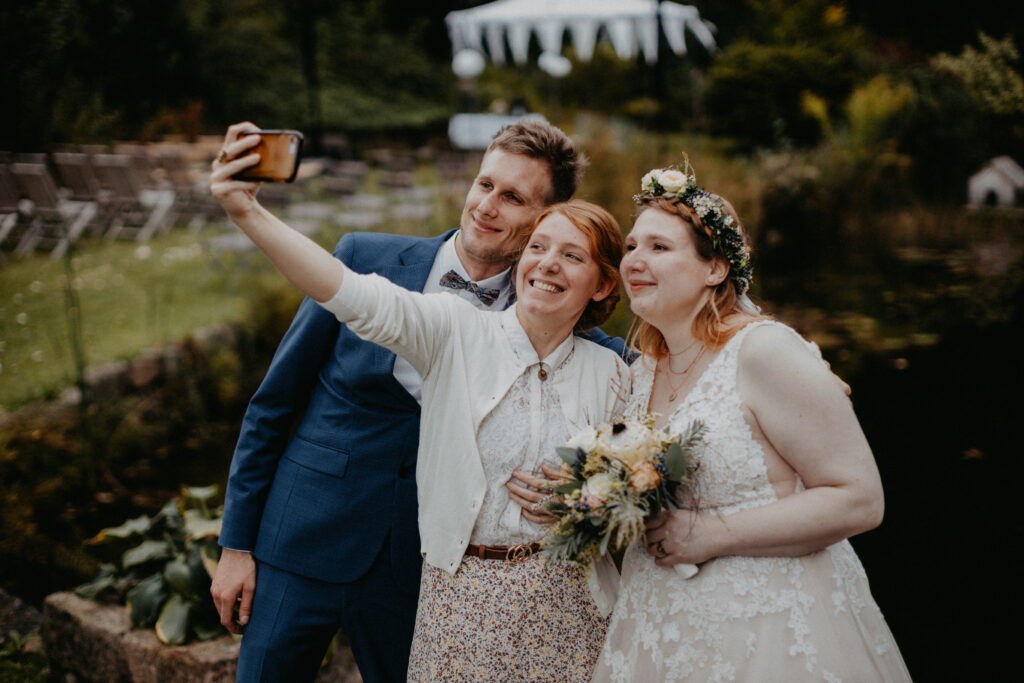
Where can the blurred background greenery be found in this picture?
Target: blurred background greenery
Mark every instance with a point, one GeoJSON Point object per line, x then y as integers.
{"type": "Point", "coordinates": [844, 132]}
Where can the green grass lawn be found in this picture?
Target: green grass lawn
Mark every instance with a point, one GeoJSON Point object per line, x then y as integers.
{"type": "Point", "coordinates": [132, 296]}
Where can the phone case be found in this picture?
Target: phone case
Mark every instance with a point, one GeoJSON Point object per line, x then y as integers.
{"type": "Point", "coordinates": [280, 152]}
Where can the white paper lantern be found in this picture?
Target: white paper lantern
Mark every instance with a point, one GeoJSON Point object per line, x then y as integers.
{"type": "Point", "coordinates": [554, 65]}
{"type": "Point", "coordinates": [468, 63]}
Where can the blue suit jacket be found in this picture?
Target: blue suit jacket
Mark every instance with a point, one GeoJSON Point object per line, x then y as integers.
{"type": "Point", "coordinates": [320, 502]}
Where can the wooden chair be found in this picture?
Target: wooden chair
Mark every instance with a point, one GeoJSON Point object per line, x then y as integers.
{"type": "Point", "coordinates": [78, 176]}
{"type": "Point", "coordinates": [137, 212]}
{"type": "Point", "coordinates": [195, 203]}
{"type": "Point", "coordinates": [55, 223]}
{"type": "Point", "coordinates": [141, 160]}
{"type": "Point", "coordinates": [10, 216]}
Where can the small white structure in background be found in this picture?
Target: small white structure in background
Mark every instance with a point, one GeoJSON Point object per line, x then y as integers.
{"type": "Point", "coordinates": [475, 131]}
{"type": "Point", "coordinates": [999, 183]}
{"type": "Point", "coordinates": [631, 26]}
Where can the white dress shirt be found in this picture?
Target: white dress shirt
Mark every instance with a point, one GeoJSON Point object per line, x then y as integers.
{"type": "Point", "coordinates": [448, 259]}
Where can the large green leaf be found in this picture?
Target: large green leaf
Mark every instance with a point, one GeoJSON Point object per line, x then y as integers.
{"type": "Point", "coordinates": [203, 493]}
{"type": "Point", "coordinates": [146, 552]}
{"type": "Point", "coordinates": [210, 554]}
{"type": "Point", "coordinates": [208, 631]}
{"type": "Point", "coordinates": [197, 571]}
{"type": "Point", "coordinates": [198, 526]}
{"type": "Point", "coordinates": [138, 525]}
{"type": "Point", "coordinates": [675, 462]}
{"type": "Point", "coordinates": [172, 626]}
{"type": "Point", "coordinates": [178, 576]}
{"type": "Point", "coordinates": [145, 599]}
{"type": "Point", "coordinates": [569, 487]}
{"type": "Point", "coordinates": [105, 578]}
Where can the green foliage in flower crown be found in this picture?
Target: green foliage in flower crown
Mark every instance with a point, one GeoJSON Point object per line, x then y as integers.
{"type": "Point", "coordinates": [674, 182]}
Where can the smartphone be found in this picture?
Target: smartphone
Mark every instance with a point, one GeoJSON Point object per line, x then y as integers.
{"type": "Point", "coordinates": [280, 152]}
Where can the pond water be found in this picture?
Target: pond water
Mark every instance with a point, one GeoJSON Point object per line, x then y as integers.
{"type": "Point", "coordinates": [928, 338]}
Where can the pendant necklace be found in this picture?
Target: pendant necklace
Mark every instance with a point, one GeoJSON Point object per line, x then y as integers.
{"type": "Point", "coordinates": [675, 389]}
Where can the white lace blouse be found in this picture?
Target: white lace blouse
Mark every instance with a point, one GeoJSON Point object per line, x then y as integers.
{"type": "Point", "coordinates": [520, 433]}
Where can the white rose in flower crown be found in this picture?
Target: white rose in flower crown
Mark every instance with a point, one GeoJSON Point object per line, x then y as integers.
{"type": "Point", "coordinates": [672, 180]}
{"type": "Point", "coordinates": [585, 439]}
{"type": "Point", "coordinates": [630, 444]}
{"type": "Point", "coordinates": [647, 182]}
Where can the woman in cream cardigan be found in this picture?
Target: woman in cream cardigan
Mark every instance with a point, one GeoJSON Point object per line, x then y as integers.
{"type": "Point", "coordinates": [501, 391]}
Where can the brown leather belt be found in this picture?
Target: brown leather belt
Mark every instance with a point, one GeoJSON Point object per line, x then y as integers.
{"type": "Point", "coordinates": [509, 553]}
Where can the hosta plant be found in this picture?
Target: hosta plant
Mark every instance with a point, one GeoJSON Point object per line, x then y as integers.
{"type": "Point", "coordinates": [162, 566]}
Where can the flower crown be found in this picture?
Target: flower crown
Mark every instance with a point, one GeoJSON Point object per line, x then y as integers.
{"type": "Point", "coordinates": [673, 182]}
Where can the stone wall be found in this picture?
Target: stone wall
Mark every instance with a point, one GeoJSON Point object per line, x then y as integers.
{"type": "Point", "coordinates": [96, 643]}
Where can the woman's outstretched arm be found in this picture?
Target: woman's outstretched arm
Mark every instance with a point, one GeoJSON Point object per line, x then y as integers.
{"type": "Point", "coordinates": [305, 263]}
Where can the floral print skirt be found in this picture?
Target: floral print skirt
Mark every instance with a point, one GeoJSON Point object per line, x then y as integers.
{"type": "Point", "coordinates": [505, 621]}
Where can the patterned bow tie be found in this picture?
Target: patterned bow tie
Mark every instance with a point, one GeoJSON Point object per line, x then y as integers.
{"type": "Point", "coordinates": [455, 281]}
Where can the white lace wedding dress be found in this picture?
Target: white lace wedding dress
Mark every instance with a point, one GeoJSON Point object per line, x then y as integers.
{"type": "Point", "coordinates": [809, 618]}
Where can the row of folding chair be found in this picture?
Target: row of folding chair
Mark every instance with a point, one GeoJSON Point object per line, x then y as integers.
{"type": "Point", "coordinates": [100, 194]}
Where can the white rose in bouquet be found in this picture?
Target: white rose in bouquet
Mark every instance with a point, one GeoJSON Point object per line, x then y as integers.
{"type": "Point", "coordinates": [585, 439]}
{"type": "Point", "coordinates": [597, 490]}
{"type": "Point", "coordinates": [629, 442]}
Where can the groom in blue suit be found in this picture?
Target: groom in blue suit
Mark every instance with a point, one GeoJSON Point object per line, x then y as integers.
{"type": "Point", "coordinates": [320, 527]}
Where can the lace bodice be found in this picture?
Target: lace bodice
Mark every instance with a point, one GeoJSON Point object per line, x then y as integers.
{"type": "Point", "coordinates": [809, 618]}
{"type": "Point", "coordinates": [732, 473]}
{"type": "Point", "coordinates": [520, 433]}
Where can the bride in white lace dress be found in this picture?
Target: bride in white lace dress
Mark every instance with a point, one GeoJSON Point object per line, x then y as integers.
{"type": "Point", "coordinates": [785, 478]}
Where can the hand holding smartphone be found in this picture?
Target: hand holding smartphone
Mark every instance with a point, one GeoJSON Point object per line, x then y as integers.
{"type": "Point", "coordinates": [280, 152]}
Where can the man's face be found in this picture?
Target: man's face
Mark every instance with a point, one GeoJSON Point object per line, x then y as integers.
{"type": "Point", "coordinates": [509, 192]}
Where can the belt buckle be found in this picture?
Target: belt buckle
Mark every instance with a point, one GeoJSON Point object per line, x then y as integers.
{"type": "Point", "coordinates": [519, 553]}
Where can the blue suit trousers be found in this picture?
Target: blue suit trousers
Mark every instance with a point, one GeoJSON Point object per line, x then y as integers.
{"type": "Point", "coordinates": [295, 617]}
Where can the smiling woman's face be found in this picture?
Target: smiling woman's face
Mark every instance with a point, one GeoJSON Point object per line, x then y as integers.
{"type": "Point", "coordinates": [663, 274]}
{"type": "Point", "coordinates": [557, 276]}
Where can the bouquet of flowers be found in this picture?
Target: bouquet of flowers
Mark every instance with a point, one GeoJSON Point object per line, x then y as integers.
{"type": "Point", "coordinates": [614, 476]}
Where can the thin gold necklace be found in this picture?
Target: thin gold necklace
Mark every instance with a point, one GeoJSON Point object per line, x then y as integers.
{"type": "Point", "coordinates": [679, 353]}
{"type": "Point", "coordinates": [675, 389]}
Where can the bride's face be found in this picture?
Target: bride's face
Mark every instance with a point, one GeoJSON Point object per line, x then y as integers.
{"type": "Point", "coordinates": [665, 277]}
{"type": "Point", "coordinates": [557, 275]}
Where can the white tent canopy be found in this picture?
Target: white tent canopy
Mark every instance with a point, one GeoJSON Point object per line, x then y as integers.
{"type": "Point", "coordinates": [631, 26]}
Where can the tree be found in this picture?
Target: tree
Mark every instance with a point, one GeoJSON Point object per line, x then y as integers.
{"type": "Point", "coordinates": [755, 86]}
